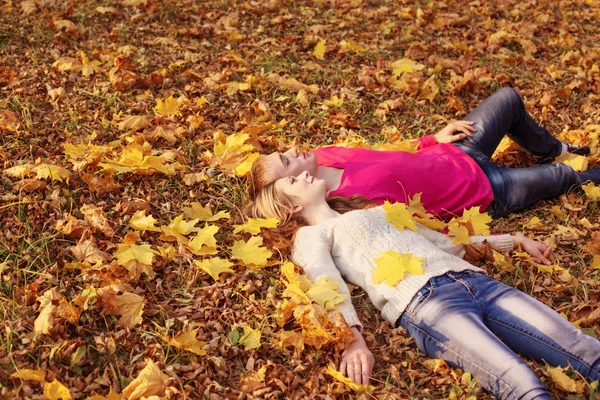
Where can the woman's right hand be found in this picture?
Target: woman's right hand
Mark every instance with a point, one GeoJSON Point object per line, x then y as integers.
{"type": "Point", "coordinates": [357, 360]}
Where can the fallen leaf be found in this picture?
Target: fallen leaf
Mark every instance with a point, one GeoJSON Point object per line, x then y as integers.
{"type": "Point", "coordinates": [187, 341]}
{"type": "Point", "coordinates": [215, 266]}
{"type": "Point", "coordinates": [250, 338]}
{"type": "Point", "coordinates": [349, 382]}
{"type": "Point", "coordinates": [56, 391]}
{"type": "Point", "coordinates": [150, 382]}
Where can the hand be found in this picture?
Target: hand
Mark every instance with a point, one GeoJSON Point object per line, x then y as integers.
{"type": "Point", "coordinates": [539, 252]}
{"type": "Point", "coordinates": [447, 135]}
{"type": "Point", "coordinates": [357, 360]}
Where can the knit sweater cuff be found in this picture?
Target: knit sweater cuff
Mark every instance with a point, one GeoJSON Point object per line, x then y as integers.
{"type": "Point", "coordinates": [503, 243]}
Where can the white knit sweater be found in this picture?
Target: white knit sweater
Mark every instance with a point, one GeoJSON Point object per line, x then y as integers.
{"type": "Point", "coordinates": [345, 248]}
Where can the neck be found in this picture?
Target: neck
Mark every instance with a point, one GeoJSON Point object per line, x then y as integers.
{"type": "Point", "coordinates": [319, 213]}
{"type": "Point", "coordinates": [331, 175]}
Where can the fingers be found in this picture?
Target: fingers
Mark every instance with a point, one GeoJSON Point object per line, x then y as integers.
{"type": "Point", "coordinates": [365, 372]}
{"type": "Point", "coordinates": [456, 138]}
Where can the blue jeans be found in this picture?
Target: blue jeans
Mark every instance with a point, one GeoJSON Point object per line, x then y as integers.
{"type": "Point", "coordinates": [504, 113]}
{"type": "Point", "coordinates": [479, 325]}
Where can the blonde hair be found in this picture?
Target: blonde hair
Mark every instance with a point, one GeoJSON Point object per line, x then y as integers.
{"type": "Point", "coordinates": [259, 176]}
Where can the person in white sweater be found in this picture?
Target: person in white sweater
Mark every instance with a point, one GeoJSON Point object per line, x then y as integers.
{"type": "Point", "coordinates": [453, 310]}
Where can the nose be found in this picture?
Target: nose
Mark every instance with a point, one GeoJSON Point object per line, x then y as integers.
{"type": "Point", "coordinates": [303, 175]}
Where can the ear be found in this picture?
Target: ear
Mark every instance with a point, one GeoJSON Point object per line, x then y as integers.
{"type": "Point", "coordinates": [297, 208]}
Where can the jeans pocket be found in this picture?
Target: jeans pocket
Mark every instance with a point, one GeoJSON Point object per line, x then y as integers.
{"type": "Point", "coordinates": [422, 297]}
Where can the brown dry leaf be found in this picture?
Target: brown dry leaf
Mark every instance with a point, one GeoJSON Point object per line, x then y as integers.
{"type": "Point", "coordinates": [8, 121]}
{"type": "Point", "coordinates": [150, 382]}
{"type": "Point", "coordinates": [86, 250]}
{"type": "Point", "coordinates": [117, 301]}
{"type": "Point", "coordinates": [96, 218]}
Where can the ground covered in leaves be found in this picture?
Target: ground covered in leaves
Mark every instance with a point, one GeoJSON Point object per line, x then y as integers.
{"type": "Point", "coordinates": [126, 129]}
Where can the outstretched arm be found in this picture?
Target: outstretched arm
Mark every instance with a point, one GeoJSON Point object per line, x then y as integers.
{"type": "Point", "coordinates": [357, 360]}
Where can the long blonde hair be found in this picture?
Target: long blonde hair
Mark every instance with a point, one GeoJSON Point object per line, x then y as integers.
{"type": "Point", "coordinates": [271, 203]}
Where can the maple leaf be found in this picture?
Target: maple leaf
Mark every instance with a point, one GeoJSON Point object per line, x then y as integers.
{"type": "Point", "coordinates": [335, 101]}
{"type": "Point", "coordinates": [325, 292]}
{"type": "Point", "coordinates": [244, 167]}
{"type": "Point", "coordinates": [391, 267]}
{"type": "Point", "coordinates": [137, 259]}
{"type": "Point", "coordinates": [291, 338]}
{"type": "Point", "coordinates": [167, 107]}
{"type": "Point", "coordinates": [250, 252]}
{"type": "Point", "coordinates": [294, 278]}
{"type": "Point", "coordinates": [563, 382]}
{"type": "Point", "coordinates": [171, 133]}
{"type": "Point", "coordinates": [405, 65]}
{"type": "Point", "coordinates": [500, 260]}
{"type": "Point", "coordinates": [215, 266]}
{"type": "Point", "coordinates": [56, 391]}
{"type": "Point", "coordinates": [187, 341]}
{"type": "Point", "coordinates": [250, 338]}
{"type": "Point", "coordinates": [351, 45]}
{"type": "Point", "coordinates": [37, 375]}
{"type": "Point", "coordinates": [150, 382]}
{"type": "Point", "coordinates": [196, 210]}
{"type": "Point", "coordinates": [142, 222]}
{"type": "Point", "coordinates": [96, 218]}
{"type": "Point", "coordinates": [319, 50]}
{"type": "Point", "coordinates": [399, 216]}
{"type": "Point", "coordinates": [183, 227]}
{"type": "Point", "coordinates": [204, 243]}
{"type": "Point", "coordinates": [128, 306]}
{"type": "Point", "coordinates": [429, 89]}
{"type": "Point", "coordinates": [253, 225]}
{"type": "Point", "coordinates": [458, 233]}
{"type": "Point", "coordinates": [348, 381]}
{"type": "Point", "coordinates": [479, 221]}
{"type": "Point", "coordinates": [133, 123]}
{"type": "Point", "coordinates": [578, 163]}
{"type": "Point", "coordinates": [596, 262]}
{"type": "Point", "coordinates": [591, 191]}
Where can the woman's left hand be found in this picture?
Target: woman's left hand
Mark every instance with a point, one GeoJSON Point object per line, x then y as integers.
{"type": "Point", "coordinates": [449, 135]}
{"type": "Point", "coordinates": [539, 252]}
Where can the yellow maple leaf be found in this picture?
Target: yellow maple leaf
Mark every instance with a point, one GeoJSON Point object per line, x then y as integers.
{"type": "Point", "coordinates": [187, 341]}
{"type": "Point", "coordinates": [596, 261]}
{"type": "Point", "coordinates": [500, 260]}
{"type": "Point", "coordinates": [56, 391]}
{"type": "Point", "coordinates": [142, 222]}
{"type": "Point", "coordinates": [133, 123]}
{"type": "Point", "coordinates": [319, 50]}
{"type": "Point", "coordinates": [183, 227]}
{"type": "Point", "coordinates": [533, 222]}
{"type": "Point", "coordinates": [250, 252]}
{"type": "Point", "coordinates": [204, 243]}
{"type": "Point", "coordinates": [167, 107]}
{"type": "Point", "coordinates": [294, 278]}
{"type": "Point", "coordinates": [577, 162]}
{"type": "Point", "coordinates": [150, 382]}
{"type": "Point", "coordinates": [334, 101]}
{"type": "Point", "coordinates": [399, 216]}
{"type": "Point", "coordinates": [351, 45]}
{"type": "Point", "coordinates": [479, 221]}
{"type": "Point", "coordinates": [215, 266]}
{"type": "Point", "coordinates": [391, 267]}
{"type": "Point", "coordinates": [171, 133]}
{"type": "Point", "coordinates": [325, 292]}
{"type": "Point", "coordinates": [142, 253]}
{"type": "Point", "coordinates": [37, 375]}
{"type": "Point", "coordinates": [429, 89]}
{"type": "Point", "coordinates": [244, 167]}
{"type": "Point", "coordinates": [196, 210]}
{"type": "Point", "coordinates": [405, 65]}
{"type": "Point", "coordinates": [253, 225]}
{"type": "Point", "coordinates": [349, 382]}
{"type": "Point", "coordinates": [459, 234]}
{"type": "Point", "coordinates": [431, 222]}
{"type": "Point", "coordinates": [129, 306]}
{"type": "Point", "coordinates": [250, 338]}
{"type": "Point", "coordinates": [54, 172]}
{"type": "Point", "coordinates": [563, 382]}
{"type": "Point", "coordinates": [591, 191]}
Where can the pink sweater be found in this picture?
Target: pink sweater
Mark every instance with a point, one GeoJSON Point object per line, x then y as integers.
{"type": "Point", "coordinates": [449, 179]}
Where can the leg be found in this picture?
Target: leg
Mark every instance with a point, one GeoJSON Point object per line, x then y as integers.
{"type": "Point", "coordinates": [533, 330]}
{"type": "Point", "coordinates": [446, 322]}
{"type": "Point", "coordinates": [504, 113]}
{"type": "Point", "coordinates": [517, 188]}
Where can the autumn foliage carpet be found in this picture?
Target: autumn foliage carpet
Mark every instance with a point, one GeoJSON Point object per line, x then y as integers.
{"type": "Point", "coordinates": [126, 129]}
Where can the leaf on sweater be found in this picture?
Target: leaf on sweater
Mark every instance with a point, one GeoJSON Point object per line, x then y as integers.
{"type": "Point", "coordinates": [391, 267]}
{"type": "Point", "coordinates": [475, 221]}
{"type": "Point", "coordinates": [325, 292]}
{"type": "Point", "coordinates": [253, 225]}
{"type": "Point", "coordinates": [458, 233]}
{"type": "Point", "coordinates": [399, 216]}
{"type": "Point", "coordinates": [349, 382]}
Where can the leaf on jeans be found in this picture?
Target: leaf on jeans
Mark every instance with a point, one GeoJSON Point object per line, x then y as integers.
{"type": "Point", "coordinates": [399, 216]}
{"type": "Point", "coordinates": [578, 163]}
{"type": "Point", "coordinates": [563, 382]}
{"type": "Point", "coordinates": [349, 382]}
{"type": "Point", "coordinates": [391, 267]}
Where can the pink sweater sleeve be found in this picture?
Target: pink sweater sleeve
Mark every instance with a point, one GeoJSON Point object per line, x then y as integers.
{"type": "Point", "coordinates": [426, 141]}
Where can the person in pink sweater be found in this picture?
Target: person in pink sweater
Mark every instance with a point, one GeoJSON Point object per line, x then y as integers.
{"type": "Point", "coordinates": [452, 169]}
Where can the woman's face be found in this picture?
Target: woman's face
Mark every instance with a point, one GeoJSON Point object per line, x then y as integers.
{"type": "Point", "coordinates": [303, 189]}
{"type": "Point", "coordinates": [290, 163]}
